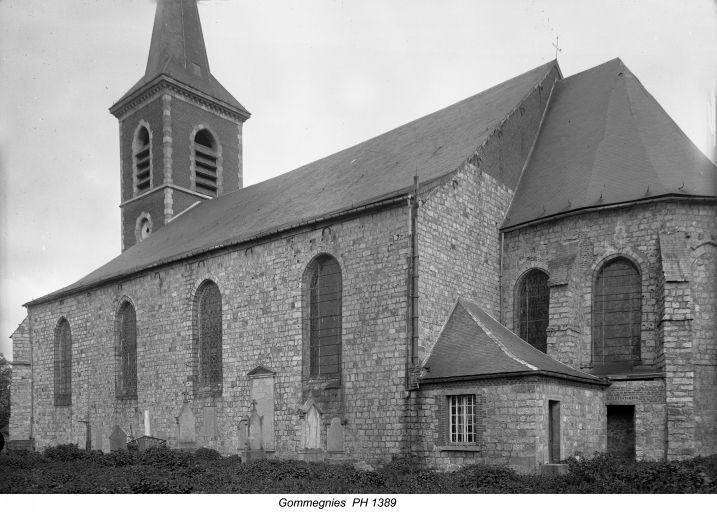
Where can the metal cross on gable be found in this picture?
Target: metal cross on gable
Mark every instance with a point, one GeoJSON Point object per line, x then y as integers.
{"type": "Point", "coordinates": [557, 48]}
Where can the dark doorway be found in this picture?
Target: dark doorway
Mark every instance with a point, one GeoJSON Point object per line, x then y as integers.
{"type": "Point", "coordinates": [554, 431]}
{"type": "Point", "coordinates": [621, 430]}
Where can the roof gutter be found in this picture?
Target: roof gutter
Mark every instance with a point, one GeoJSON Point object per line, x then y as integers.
{"type": "Point", "coordinates": [543, 373]}
{"type": "Point", "coordinates": [396, 200]}
{"type": "Point", "coordinates": [587, 209]}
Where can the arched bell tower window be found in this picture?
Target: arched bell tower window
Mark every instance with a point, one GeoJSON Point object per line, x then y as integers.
{"type": "Point", "coordinates": [63, 363]}
{"type": "Point", "coordinates": [532, 307]}
{"type": "Point", "coordinates": [126, 369]}
{"type": "Point", "coordinates": [142, 159]}
{"type": "Point", "coordinates": [205, 163]}
{"type": "Point", "coordinates": [208, 322]}
{"type": "Point", "coordinates": [325, 289]}
{"type": "Point", "coordinates": [617, 308]}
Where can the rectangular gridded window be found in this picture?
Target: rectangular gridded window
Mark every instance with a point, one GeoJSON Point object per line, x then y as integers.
{"type": "Point", "coordinates": [462, 419]}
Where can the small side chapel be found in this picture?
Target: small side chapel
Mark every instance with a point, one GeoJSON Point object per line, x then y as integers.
{"type": "Point", "coordinates": [546, 285]}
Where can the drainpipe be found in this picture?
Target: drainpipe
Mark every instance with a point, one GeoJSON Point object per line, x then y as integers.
{"type": "Point", "coordinates": [414, 270]}
{"type": "Point", "coordinates": [500, 280]}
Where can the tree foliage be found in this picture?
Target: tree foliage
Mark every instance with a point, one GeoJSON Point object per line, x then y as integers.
{"type": "Point", "coordinates": [5, 380]}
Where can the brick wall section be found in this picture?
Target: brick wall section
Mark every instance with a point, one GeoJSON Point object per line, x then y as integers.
{"type": "Point", "coordinates": [704, 329]}
{"type": "Point", "coordinates": [514, 424]}
{"type": "Point", "coordinates": [261, 303]}
{"type": "Point", "coordinates": [648, 397]}
{"type": "Point", "coordinates": [21, 385]}
{"type": "Point", "coordinates": [458, 221]}
{"type": "Point", "coordinates": [185, 116]}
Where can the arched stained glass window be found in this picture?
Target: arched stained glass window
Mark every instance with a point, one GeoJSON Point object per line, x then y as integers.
{"type": "Point", "coordinates": [126, 376]}
{"type": "Point", "coordinates": [209, 319]}
{"type": "Point", "coordinates": [533, 305]}
{"type": "Point", "coordinates": [617, 308]}
{"type": "Point", "coordinates": [325, 318]}
{"type": "Point", "coordinates": [63, 363]}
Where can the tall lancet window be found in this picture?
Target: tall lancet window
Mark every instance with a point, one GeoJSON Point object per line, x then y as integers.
{"type": "Point", "coordinates": [63, 363]}
{"type": "Point", "coordinates": [325, 318]}
{"type": "Point", "coordinates": [126, 370]}
{"type": "Point", "coordinates": [533, 305]}
{"type": "Point", "coordinates": [209, 327]}
{"type": "Point", "coordinates": [205, 163]}
{"type": "Point", "coordinates": [617, 308]}
{"type": "Point", "coordinates": [142, 160]}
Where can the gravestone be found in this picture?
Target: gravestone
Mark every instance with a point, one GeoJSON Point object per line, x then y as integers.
{"type": "Point", "coordinates": [118, 439]}
{"type": "Point", "coordinates": [187, 428]}
{"type": "Point", "coordinates": [210, 422]}
{"type": "Point", "coordinates": [255, 441]}
{"type": "Point", "coordinates": [242, 435]}
{"type": "Point", "coordinates": [99, 441]}
{"type": "Point", "coordinates": [262, 391]}
{"type": "Point", "coordinates": [335, 436]}
{"type": "Point", "coordinates": [312, 430]}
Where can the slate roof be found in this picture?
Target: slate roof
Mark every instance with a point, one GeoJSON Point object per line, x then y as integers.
{"type": "Point", "coordinates": [605, 140]}
{"type": "Point", "coordinates": [377, 169]}
{"type": "Point", "coordinates": [474, 344]}
{"type": "Point", "coordinates": [177, 46]}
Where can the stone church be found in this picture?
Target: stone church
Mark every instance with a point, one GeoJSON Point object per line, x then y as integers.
{"type": "Point", "coordinates": [521, 276]}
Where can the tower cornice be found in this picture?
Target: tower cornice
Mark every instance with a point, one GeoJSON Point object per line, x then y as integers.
{"type": "Point", "coordinates": [127, 104]}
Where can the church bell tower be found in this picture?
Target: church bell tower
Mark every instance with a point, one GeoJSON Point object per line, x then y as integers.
{"type": "Point", "coordinates": [180, 130]}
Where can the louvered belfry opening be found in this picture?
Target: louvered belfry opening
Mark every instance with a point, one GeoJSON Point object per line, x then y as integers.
{"type": "Point", "coordinates": [63, 363]}
{"type": "Point", "coordinates": [126, 370]}
{"type": "Point", "coordinates": [209, 316]}
{"type": "Point", "coordinates": [205, 163]}
{"type": "Point", "coordinates": [617, 308]}
{"type": "Point", "coordinates": [142, 160]}
{"type": "Point", "coordinates": [533, 309]}
{"type": "Point", "coordinates": [325, 318]}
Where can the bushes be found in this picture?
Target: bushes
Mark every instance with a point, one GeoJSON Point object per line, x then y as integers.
{"type": "Point", "coordinates": [67, 469]}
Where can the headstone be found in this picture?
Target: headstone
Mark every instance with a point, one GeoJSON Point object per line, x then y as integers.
{"type": "Point", "coordinates": [312, 422]}
{"type": "Point", "coordinates": [118, 439]}
{"type": "Point", "coordinates": [335, 436]}
{"type": "Point", "coordinates": [255, 439]}
{"type": "Point", "coordinates": [187, 427]}
{"type": "Point", "coordinates": [147, 423]}
{"type": "Point", "coordinates": [242, 434]}
{"type": "Point", "coordinates": [262, 391]}
{"type": "Point", "coordinates": [210, 421]}
{"type": "Point", "coordinates": [98, 443]}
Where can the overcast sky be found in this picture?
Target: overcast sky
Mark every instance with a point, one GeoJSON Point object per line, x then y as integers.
{"type": "Point", "coordinates": [317, 76]}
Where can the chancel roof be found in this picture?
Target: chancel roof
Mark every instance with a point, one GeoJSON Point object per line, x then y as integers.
{"type": "Point", "coordinates": [177, 50]}
{"type": "Point", "coordinates": [474, 344]}
{"type": "Point", "coordinates": [605, 140]}
{"type": "Point", "coordinates": [377, 169]}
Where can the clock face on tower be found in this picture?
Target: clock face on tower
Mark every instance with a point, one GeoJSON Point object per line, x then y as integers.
{"type": "Point", "coordinates": [143, 227]}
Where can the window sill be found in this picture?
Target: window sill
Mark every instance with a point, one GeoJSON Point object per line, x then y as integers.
{"type": "Point", "coordinates": [459, 448]}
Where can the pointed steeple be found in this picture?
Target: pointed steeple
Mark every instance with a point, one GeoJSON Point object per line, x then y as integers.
{"type": "Point", "coordinates": [177, 51]}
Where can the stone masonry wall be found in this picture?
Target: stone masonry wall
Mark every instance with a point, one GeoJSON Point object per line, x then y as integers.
{"type": "Point", "coordinates": [512, 421]}
{"type": "Point", "coordinates": [21, 385]}
{"type": "Point", "coordinates": [704, 357]}
{"type": "Point", "coordinates": [648, 397]}
{"type": "Point", "coordinates": [458, 220]}
{"type": "Point", "coordinates": [261, 308]}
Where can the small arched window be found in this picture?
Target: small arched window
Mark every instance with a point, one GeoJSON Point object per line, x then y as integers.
{"type": "Point", "coordinates": [533, 306]}
{"type": "Point", "coordinates": [142, 161]}
{"type": "Point", "coordinates": [126, 370]}
{"type": "Point", "coordinates": [209, 333]}
{"type": "Point", "coordinates": [325, 318]}
{"type": "Point", "coordinates": [63, 363]}
{"type": "Point", "coordinates": [205, 163]}
{"type": "Point", "coordinates": [617, 308]}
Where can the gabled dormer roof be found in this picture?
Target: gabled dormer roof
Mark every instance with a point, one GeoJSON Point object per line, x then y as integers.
{"type": "Point", "coordinates": [606, 141]}
{"type": "Point", "coordinates": [178, 52]}
{"type": "Point", "coordinates": [473, 344]}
